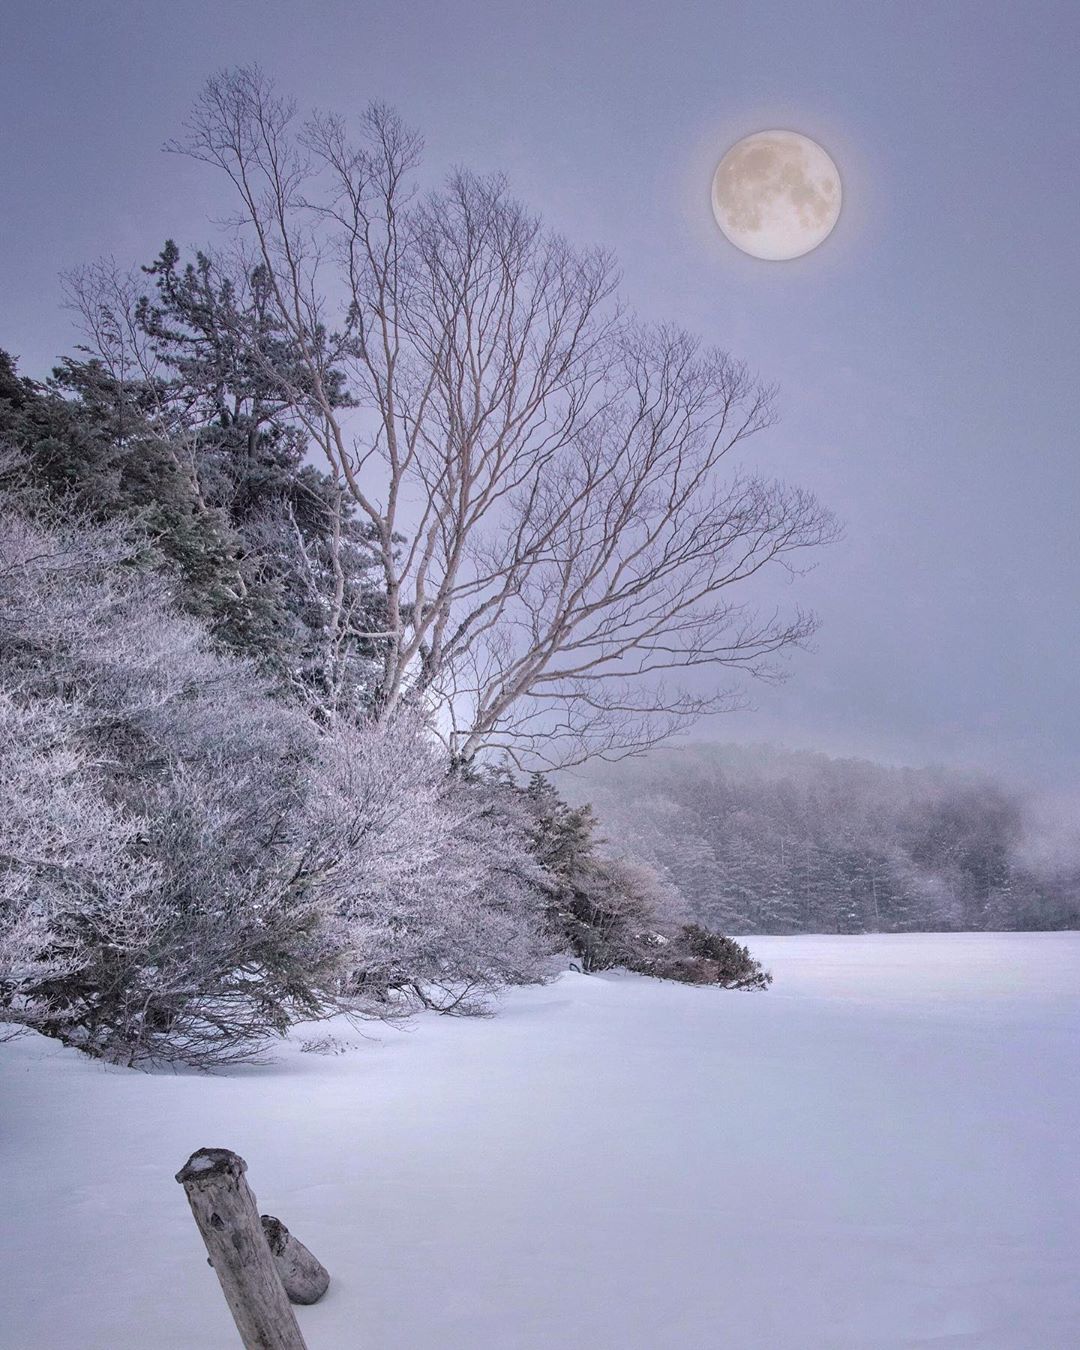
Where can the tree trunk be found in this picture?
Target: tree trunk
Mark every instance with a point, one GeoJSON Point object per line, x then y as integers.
{"type": "Point", "coordinates": [227, 1217]}
{"type": "Point", "coordinates": [304, 1278]}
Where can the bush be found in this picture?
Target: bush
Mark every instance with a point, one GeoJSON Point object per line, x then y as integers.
{"type": "Point", "coordinates": [612, 912]}
{"type": "Point", "coordinates": [155, 896]}
{"type": "Point", "coordinates": [436, 898]}
{"type": "Point", "coordinates": [700, 957]}
{"type": "Point", "coordinates": [188, 863]}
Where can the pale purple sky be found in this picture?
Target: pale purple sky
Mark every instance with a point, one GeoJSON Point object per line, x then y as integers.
{"type": "Point", "coordinates": [927, 353]}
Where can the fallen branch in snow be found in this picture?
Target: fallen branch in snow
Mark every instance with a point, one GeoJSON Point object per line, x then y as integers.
{"type": "Point", "coordinates": [304, 1278]}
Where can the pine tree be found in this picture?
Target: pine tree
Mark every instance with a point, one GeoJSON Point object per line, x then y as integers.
{"type": "Point", "coordinates": [265, 550]}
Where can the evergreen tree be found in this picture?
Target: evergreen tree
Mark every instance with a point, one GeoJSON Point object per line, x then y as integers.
{"type": "Point", "coordinates": [616, 913]}
{"type": "Point", "coordinates": [197, 458]}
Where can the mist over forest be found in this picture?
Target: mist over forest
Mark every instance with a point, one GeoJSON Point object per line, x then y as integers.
{"type": "Point", "coordinates": [760, 839]}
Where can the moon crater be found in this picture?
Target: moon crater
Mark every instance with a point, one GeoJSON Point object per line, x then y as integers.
{"type": "Point", "coordinates": [776, 195]}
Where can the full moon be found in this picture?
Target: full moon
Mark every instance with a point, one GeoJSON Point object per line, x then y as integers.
{"type": "Point", "coordinates": [776, 195]}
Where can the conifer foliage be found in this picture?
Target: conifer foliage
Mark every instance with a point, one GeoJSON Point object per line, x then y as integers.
{"type": "Point", "coordinates": [613, 912]}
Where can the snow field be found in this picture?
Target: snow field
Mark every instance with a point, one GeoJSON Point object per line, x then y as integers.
{"type": "Point", "coordinates": [881, 1151]}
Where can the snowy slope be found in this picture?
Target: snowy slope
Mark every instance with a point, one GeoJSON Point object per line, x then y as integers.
{"type": "Point", "coordinates": [881, 1151]}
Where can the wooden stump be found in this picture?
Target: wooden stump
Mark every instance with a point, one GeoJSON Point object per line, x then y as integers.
{"type": "Point", "coordinates": [305, 1279]}
{"type": "Point", "coordinates": [228, 1219]}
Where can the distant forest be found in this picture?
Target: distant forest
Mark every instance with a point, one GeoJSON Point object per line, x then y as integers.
{"type": "Point", "coordinates": [765, 840]}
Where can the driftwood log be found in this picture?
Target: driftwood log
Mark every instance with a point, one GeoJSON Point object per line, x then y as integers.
{"type": "Point", "coordinates": [228, 1219]}
{"type": "Point", "coordinates": [304, 1278]}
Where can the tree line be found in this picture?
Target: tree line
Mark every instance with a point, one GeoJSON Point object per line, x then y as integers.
{"type": "Point", "coordinates": [763, 840]}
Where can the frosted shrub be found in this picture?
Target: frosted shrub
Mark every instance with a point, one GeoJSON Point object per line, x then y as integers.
{"type": "Point", "coordinates": [155, 901]}
{"type": "Point", "coordinates": [187, 864]}
{"type": "Point", "coordinates": [436, 898]}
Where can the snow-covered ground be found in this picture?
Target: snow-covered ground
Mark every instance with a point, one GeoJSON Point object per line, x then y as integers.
{"type": "Point", "coordinates": [881, 1151]}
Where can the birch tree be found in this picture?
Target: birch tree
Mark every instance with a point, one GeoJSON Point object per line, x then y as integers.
{"type": "Point", "coordinates": [559, 538]}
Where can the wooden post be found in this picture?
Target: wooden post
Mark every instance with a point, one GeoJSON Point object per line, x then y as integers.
{"type": "Point", "coordinates": [228, 1219]}
{"type": "Point", "coordinates": [305, 1279]}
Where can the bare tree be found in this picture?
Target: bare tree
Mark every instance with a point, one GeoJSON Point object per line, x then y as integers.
{"type": "Point", "coordinates": [541, 472]}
